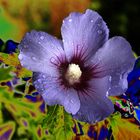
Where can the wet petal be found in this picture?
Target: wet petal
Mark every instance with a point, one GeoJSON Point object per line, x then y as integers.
{"type": "Point", "coordinates": [83, 34]}
{"type": "Point", "coordinates": [40, 51]}
{"type": "Point", "coordinates": [95, 106]}
{"type": "Point", "coordinates": [53, 93]}
{"type": "Point", "coordinates": [71, 101]}
{"type": "Point", "coordinates": [116, 59]}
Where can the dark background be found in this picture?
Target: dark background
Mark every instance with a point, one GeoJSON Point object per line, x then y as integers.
{"type": "Point", "coordinates": [123, 18]}
{"type": "Point", "coordinates": [19, 17]}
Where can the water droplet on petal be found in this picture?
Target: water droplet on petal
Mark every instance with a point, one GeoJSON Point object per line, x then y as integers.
{"type": "Point", "coordinates": [100, 31]}
{"type": "Point", "coordinates": [52, 59]}
{"type": "Point", "coordinates": [110, 78]}
{"type": "Point", "coordinates": [33, 58]}
{"type": "Point", "coordinates": [39, 80]}
{"type": "Point", "coordinates": [124, 94]}
{"type": "Point", "coordinates": [70, 20]}
{"type": "Point", "coordinates": [91, 21]}
{"type": "Point", "coordinates": [63, 40]}
{"type": "Point", "coordinates": [20, 57]}
{"type": "Point", "coordinates": [71, 101]}
{"type": "Point", "coordinates": [107, 93]}
{"type": "Point", "coordinates": [43, 76]}
{"type": "Point", "coordinates": [42, 37]}
{"type": "Point", "coordinates": [42, 89]}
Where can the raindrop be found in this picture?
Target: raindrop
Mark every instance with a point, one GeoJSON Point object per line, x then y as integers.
{"type": "Point", "coordinates": [107, 93]}
{"type": "Point", "coordinates": [124, 94]}
{"type": "Point", "coordinates": [43, 76]}
{"type": "Point", "coordinates": [70, 20]}
{"type": "Point", "coordinates": [71, 101]}
{"type": "Point", "coordinates": [110, 78]}
{"type": "Point", "coordinates": [91, 21]}
{"type": "Point", "coordinates": [42, 37]}
{"type": "Point", "coordinates": [20, 57]}
{"type": "Point", "coordinates": [52, 59]}
{"type": "Point", "coordinates": [41, 90]}
{"type": "Point", "coordinates": [100, 31]}
{"type": "Point", "coordinates": [33, 58]}
{"type": "Point", "coordinates": [39, 80]}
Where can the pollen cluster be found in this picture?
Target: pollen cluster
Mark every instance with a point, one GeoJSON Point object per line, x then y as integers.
{"type": "Point", "coordinates": [73, 74]}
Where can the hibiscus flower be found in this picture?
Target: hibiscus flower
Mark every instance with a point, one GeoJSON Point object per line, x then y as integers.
{"type": "Point", "coordinates": [83, 69]}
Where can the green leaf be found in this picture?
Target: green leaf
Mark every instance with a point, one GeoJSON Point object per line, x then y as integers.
{"type": "Point", "coordinates": [58, 123]}
{"type": "Point", "coordinates": [12, 60]}
{"type": "Point", "coordinates": [5, 74]}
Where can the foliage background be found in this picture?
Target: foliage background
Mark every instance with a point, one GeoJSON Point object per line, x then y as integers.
{"type": "Point", "coordinates": [23, 114]}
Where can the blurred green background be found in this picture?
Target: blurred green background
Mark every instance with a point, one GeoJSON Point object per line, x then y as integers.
{"type": "Point", "coordinates": [20, 16]}
{"type": "Point", "coordinates": [23, 114]}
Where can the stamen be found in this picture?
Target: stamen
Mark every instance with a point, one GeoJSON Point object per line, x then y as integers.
{"type": "Point", "coordinates": [73, 74]}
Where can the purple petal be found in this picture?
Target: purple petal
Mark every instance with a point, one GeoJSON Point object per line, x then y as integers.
{"type": "Point", "coordinates": [83, 34]}
{"type": "Point", "coordinates": [116, 59]}
{"type": "Point", "coordinates": [71, 101]}
{"type": "Point", "coordinates": [54, 93]}
{"type": "Point", "coordinates": [40, 51]}
{"type": "Point", "coordinates": [95, 106]}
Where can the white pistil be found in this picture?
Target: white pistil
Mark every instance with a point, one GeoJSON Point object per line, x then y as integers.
{"type": "Point", "coordinates": [73, 74]}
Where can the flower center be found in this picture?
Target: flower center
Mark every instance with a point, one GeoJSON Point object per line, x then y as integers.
{"type": "Point", "coordinates": [73, 74]}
